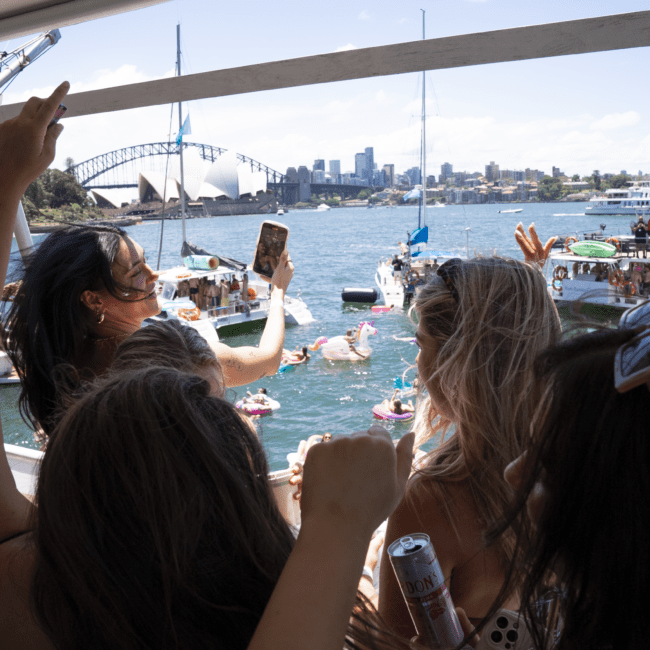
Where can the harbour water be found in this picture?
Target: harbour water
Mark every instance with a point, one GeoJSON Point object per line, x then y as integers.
{"type": "Point", "coordinates": [331, 250]}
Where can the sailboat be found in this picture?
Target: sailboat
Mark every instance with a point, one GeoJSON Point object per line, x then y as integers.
{"type": "Point", "coordinates": [417, 263]}
{"type": "Point", "coordinates": [186, 291]}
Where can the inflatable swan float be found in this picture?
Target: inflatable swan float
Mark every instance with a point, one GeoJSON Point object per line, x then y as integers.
{"type": "Point", "coordinates": [338, 348]}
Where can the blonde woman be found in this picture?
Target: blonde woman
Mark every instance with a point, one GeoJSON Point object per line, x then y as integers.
{"type": "Point", "coordinates": [481, 324]}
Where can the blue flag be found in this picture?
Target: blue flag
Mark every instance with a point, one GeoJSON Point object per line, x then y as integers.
{"type": "Point", "coordinates": [186, 129]}
{"type": "Point", "coordinates": [420, 236]}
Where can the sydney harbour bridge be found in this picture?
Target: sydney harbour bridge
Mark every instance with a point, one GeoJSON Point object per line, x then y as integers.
{"type": "Point", "coordinates": [120, 168]}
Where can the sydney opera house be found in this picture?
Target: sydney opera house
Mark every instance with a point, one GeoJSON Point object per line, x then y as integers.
{"type": "Point", "coordinates": [211, 188]}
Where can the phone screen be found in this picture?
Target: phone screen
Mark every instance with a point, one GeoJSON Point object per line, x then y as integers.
{"type": "Point", "coordinates": [272, 241]}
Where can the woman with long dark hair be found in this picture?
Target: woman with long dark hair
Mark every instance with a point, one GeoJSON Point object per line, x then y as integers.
{"type": "Point", "coordinates": [83, 292]}
{"type": "Point", "coordinates": [585, 484]}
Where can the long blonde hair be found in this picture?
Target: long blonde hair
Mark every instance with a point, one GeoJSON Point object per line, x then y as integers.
{"type": "Point", "coordinates": [482, 329]}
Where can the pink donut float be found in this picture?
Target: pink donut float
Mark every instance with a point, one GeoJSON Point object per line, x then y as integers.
{"type": "Point", "coordinates": [379, 411]}
{"type": "Point", "coordinates": [257, 408]}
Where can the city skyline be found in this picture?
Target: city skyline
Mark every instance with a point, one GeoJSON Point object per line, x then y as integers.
{"type": "Point", "coordinates": [534, 114]}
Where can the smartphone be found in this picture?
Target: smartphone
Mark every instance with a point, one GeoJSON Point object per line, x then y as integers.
{"type": "Point", "coordinates": [60, 112]}
{"type": "Point", "coordinates": [271, 242]}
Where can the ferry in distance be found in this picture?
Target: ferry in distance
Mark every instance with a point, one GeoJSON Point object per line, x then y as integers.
{"type": "Point", "coordinates": [631, 201]}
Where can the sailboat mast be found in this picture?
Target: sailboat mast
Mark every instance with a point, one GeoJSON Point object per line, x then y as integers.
{"type": "Point", "coordinates": [423, 168]}
{"type": "Point", "coordinates": [180, 126]}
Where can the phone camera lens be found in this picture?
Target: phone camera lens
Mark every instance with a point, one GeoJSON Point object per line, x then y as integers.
{"type": "Point", "coordinates": [496, 636]}
{"type": "Point", "coordinates": [512, 636]}
{"type": "Point", "coordinates": [502, 622]}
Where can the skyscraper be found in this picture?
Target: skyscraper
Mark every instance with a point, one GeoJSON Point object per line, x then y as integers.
{"type": "Point", "coordinates": [491, 172]}
{"type": "Point", "coordinates": [319, 165]}
{"type": "Point", "coordinates": [360, 167]}
{"type": "Point", "coordinates": [335, 170]}
{"type": "Point", "coordinates": [446, 171]}
{"type": "Point", "coordinates": [370, 163]}
{"type": "Point", "coordinates": [389, 175]}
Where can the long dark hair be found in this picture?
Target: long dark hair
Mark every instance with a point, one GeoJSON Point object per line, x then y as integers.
{"type": "Point", "coordinates": [591, 451]}
{"type": "Point", "coordinates": [159, 530]}
{"type": "Point", "coordinates": [157, 527]}
{"type": "Point", "coordinates": [47, 323]}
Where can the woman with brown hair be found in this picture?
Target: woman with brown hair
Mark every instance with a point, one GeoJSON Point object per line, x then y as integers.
{"type": "Point", "coordinates": [481, 324]}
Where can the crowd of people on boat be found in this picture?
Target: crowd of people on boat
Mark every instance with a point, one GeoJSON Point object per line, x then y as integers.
{"type": "Point", "coordinates": [154, 524]}
{"type": "Point", "coordinates": [209, 293]}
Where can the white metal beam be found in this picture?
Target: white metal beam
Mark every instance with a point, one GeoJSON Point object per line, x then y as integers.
{"type": "Point", "coordinates": [555, 39]}
{"type": "Point", "coordinates": [23, 17]}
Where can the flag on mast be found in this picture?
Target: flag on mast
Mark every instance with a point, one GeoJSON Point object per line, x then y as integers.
{"type": "Point", "coordinates": [186, 129]}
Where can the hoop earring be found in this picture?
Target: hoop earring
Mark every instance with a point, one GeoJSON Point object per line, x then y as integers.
{"type": "Point", "coordinates": [100, 316]}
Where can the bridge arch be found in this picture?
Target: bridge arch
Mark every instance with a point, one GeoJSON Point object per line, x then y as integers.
{"type": "Point", "coordinates": [89, 170]}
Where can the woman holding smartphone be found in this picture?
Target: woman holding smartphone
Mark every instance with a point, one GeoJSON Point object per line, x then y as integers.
{"type": "Point", "coordinates": [82, 293]}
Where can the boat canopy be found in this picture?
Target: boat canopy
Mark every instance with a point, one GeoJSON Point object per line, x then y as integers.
{"type": "Point", "coordinates": [420, 236]}
{"type": "Point", "coordinates": [189, 248]}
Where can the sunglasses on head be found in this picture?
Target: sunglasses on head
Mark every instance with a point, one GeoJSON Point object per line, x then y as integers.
{"type": "Point", "coordinates": [448, 272]}
{"type": "Point", "coordinates": [632, 360]}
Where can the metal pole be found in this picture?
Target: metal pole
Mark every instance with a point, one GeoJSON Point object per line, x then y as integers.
{"type": "Point", "coordinates": [424, 138]}
{"type": "Point", "coordinates": [21, 231]}
{"type": "Point", "coordinates": [180, 126]}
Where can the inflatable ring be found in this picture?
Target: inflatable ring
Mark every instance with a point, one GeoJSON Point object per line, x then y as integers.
{"type": "Point", "coordinates": [556, 284]}
{"type": "Point", "coordinates": [190, 314]}
{"type": "Point", "coordinates": [258, 408]}
{"type": "Point", "coordinates": [613, 240]}
{"type": "Point", "coordinates": [183, 275]}
{"type": "Point", "coordinates": [560, 273]}
{"type": "Point", "coordinates": [379, 411]}
{"type": "Point", "coordinates": [617, 279]}
{"type": "Point", "coordinates": [568, 241]}
{"type": "Point", "coordinates": [252, 294]}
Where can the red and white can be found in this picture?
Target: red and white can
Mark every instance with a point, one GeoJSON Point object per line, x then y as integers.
{"type": "Point", "coordinates": [423, 586]}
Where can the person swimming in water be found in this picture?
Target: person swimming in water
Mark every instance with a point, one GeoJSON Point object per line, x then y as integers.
{"type": "Point", "coordinates": [394, 405]}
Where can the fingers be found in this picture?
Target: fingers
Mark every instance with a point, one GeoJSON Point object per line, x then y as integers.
{"type": "Point", "coordinates": [48, 107]}
{"type": "Point", "coordinates": [404, 450]}
{"type": "Point", "coordinates": [535, 239]}
{"type": "Point", "coordinates": [467, 626]}
{"type": "Point", "coordinates": [548, 246]}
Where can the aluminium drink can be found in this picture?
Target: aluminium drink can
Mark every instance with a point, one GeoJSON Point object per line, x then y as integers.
{"type": "Point", "coordinates": [425, 592]}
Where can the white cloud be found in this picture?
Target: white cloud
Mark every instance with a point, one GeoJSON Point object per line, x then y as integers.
{"type": "Point", "coordinates": [401, 21]}
{"type": "Point", "coordinates": [364, 15]}
{"type": "Point", "coordinates": [380, 97]}
{"type": "Point", "coordinates": [616, 121]}
{"type": "Point", "coordinates": [345, 48]}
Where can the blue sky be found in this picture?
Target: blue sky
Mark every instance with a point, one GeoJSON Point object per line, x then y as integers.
{"type": "Point", "coordinates": [578, 112]}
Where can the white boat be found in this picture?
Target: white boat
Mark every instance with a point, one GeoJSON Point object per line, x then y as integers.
{"type": "Point", "coordinates": [238, 316]}
{"type": "Point", "coordinates": [510, 211]}
{"type": "Point", "coordinates": [614, 282]}
{"type": "Point", "coordinates": [630, 201]}
{"type": "Point", "coordinates": [323, 207]}
{"type": "Point", "coordinates": [419, 265]}
{"type": "Point", "coordinates": [280, 212]}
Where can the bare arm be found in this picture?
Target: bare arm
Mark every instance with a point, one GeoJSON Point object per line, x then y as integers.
{"type": "Point", "coordinates": [351, 484]}
{"type": "Point", "coordinates": [27, 147]}
{"type": "Point", "coordinates": [247, 363]}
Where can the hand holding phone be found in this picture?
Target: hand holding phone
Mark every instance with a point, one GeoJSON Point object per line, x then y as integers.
{"type": "Point", "coordinates": [271, 242]}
